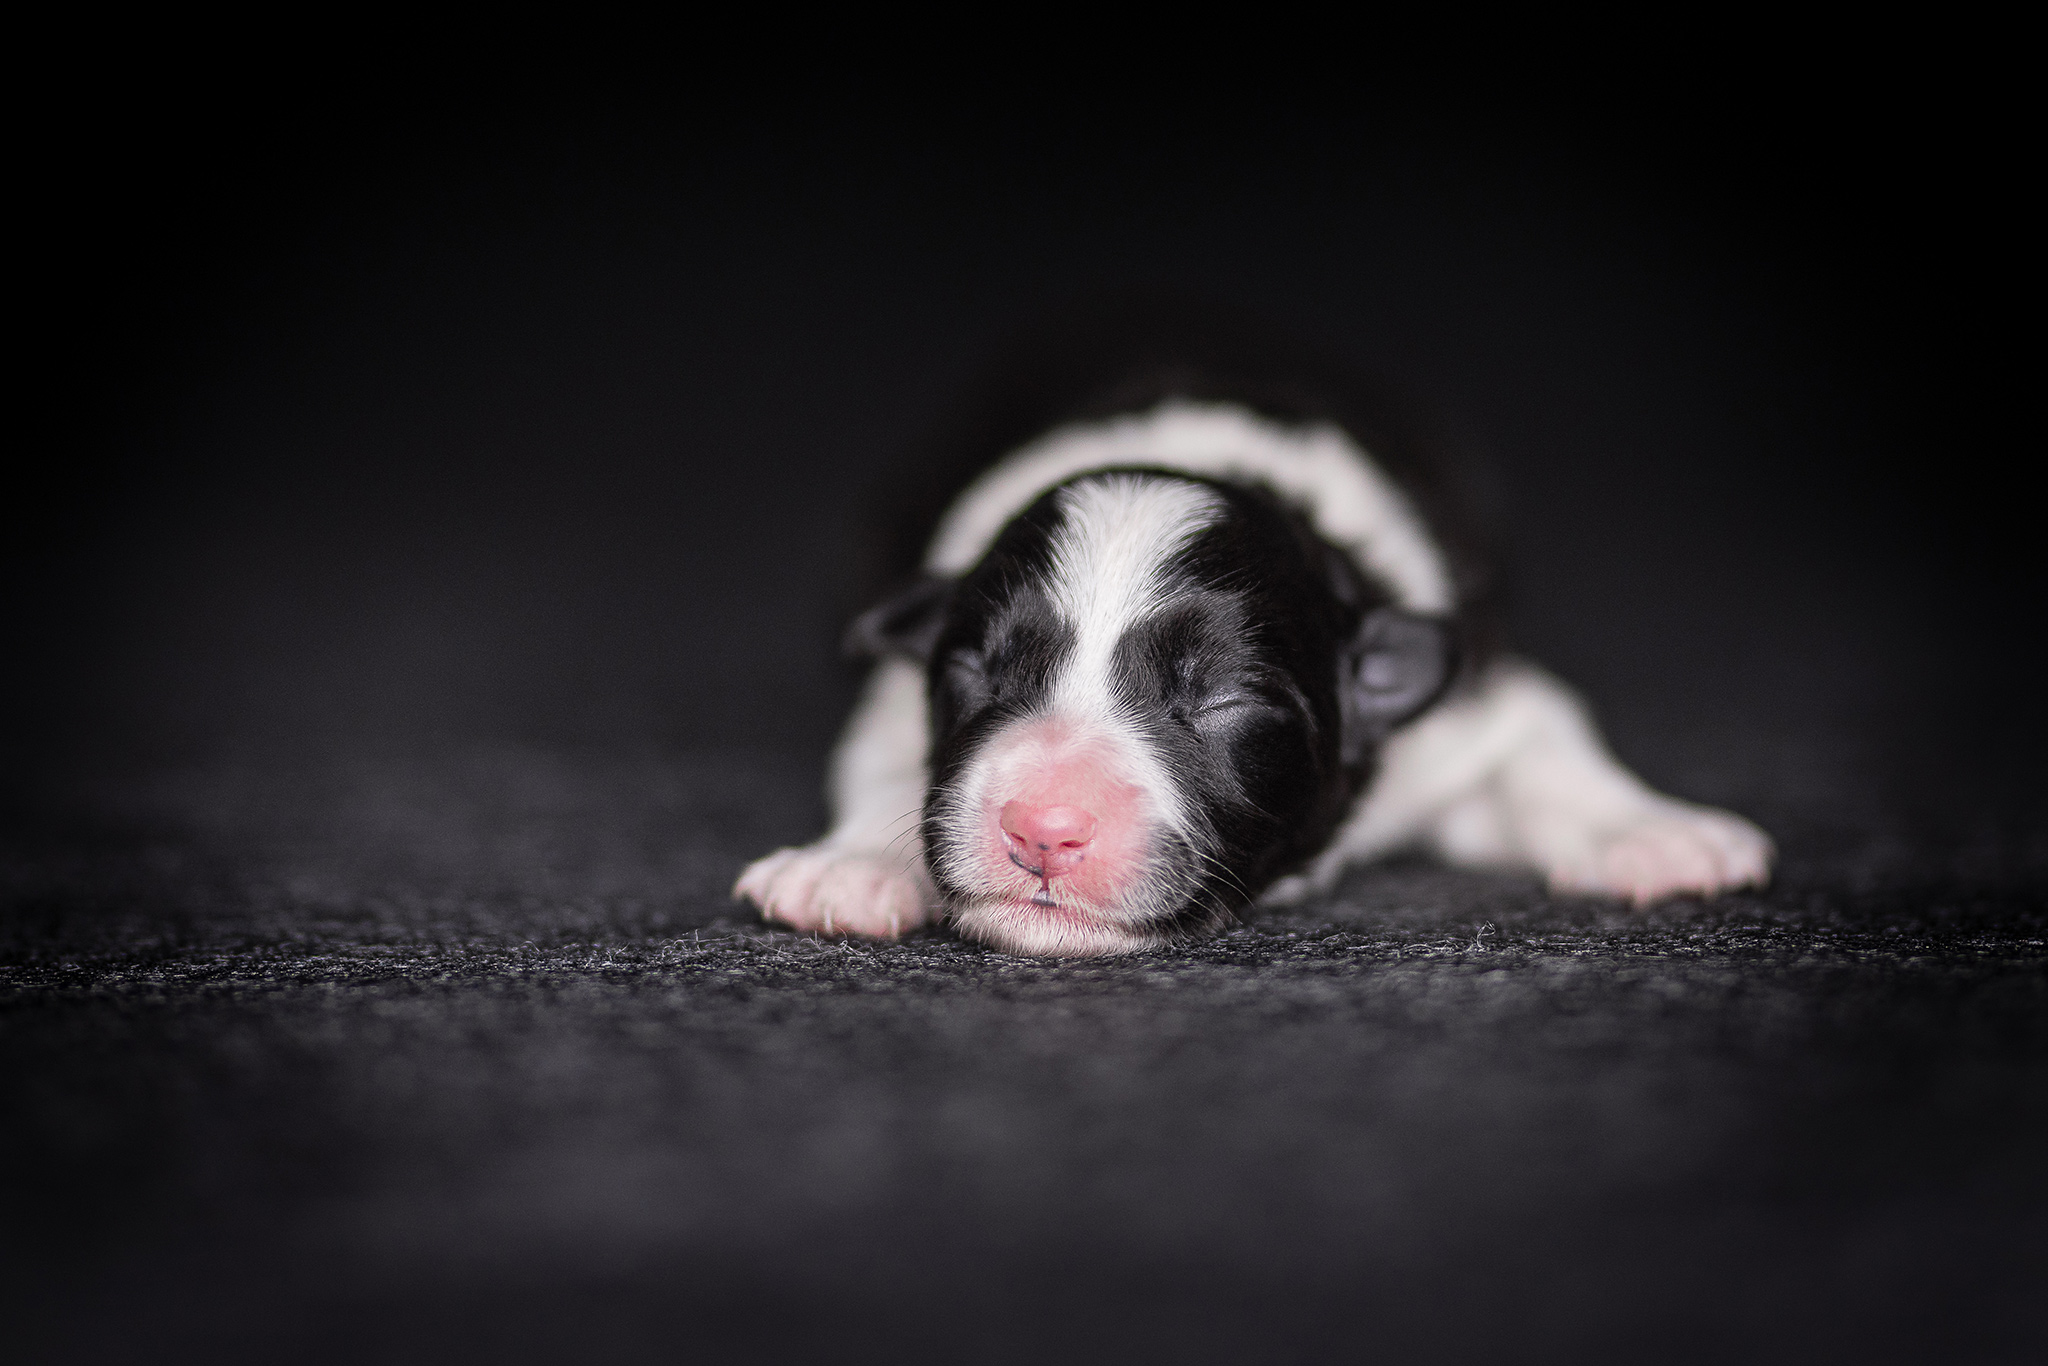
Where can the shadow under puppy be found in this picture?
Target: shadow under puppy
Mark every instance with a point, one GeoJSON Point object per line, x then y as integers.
{"type": "Point", "coordinates": [1196, 641]}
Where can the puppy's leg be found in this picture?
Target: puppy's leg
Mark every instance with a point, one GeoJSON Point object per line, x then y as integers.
{"type": "Point", "coordinates": [1513, 774]}
{"type": "Point", "coordinates": [867, 876]}
{"type": "Point", "coordinates": [1589, 825]}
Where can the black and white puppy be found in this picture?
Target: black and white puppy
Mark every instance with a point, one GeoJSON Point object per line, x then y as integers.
{"type": "Point", "coordinates": [1188, 653]}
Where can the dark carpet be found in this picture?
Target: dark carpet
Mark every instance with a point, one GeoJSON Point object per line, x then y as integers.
{"type": "Point", "coordinates": [467, 1057]}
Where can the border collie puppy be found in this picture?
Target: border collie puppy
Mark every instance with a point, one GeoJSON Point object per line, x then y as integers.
{"type": "Point", "coordinates": [1191, 648]}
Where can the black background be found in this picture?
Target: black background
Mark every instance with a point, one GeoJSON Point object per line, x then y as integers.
{"type": "Point", "coordinates": [442, 482]}
{"type": "Point", "coordinates": [539, 400]}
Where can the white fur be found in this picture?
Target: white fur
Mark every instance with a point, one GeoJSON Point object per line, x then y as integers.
{"type": "Point", "coordinates": [1510, 773]}
{"type": "Point", "coordinates": [1513, 774]}
{"type": "Point", "coordinates": [867, 876]}
{"type": "Point", "coordinates": [1351, 501]}
{"type": "Point", "coordinates": [1116, 535]}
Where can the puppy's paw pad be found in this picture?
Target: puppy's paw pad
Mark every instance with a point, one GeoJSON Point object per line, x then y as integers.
{"type": "Point", "coordinates": [836, 891]}
{"type": "Point", "coordinates": [1674, 851]}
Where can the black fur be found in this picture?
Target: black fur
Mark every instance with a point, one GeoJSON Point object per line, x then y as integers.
{"type": "Point", "coordinates": [1267, 684]}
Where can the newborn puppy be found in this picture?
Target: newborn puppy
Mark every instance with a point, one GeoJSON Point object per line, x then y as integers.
{"type": "Point", "coordinates": [1188, 651]}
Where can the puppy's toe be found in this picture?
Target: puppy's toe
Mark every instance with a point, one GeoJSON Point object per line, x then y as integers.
{"type": "Point", "coordinates": [1673, 851]}
{"type": "Point", "coordinates": [836, 891]}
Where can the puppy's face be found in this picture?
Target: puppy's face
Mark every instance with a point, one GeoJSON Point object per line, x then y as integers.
{"type": "Point", "coordinates": [1154, 695]}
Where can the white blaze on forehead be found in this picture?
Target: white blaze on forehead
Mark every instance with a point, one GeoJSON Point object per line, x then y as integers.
{"type": "Point", "coordinates": [1107, 567]}
{"type": "Point", "coordinates": [1350, 500]}
{"type": "Point", "coordinates": [1107, 572]}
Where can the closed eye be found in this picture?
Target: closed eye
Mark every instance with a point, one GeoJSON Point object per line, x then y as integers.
{"type": "Point", "coordinates": [1218, 706]}
{"type": "Point", "coordinates": [969, 673]}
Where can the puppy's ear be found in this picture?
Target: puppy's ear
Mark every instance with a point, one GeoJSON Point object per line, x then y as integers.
{"type": "Point", "coordinates": [905, 625]}
{"type": "Point", "coordinates": [1398, 664]}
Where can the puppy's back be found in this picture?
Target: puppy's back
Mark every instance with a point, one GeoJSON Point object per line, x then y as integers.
{"type": "Point", "coordinates": [1131, 355]}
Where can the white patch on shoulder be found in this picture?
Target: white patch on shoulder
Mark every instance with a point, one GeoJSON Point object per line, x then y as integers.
{"type": "Point", "coordinates": [1351, 501]}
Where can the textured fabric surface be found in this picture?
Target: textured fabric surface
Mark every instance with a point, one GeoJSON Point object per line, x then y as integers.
{"type": "Point", "coordinates": [467, 1056]}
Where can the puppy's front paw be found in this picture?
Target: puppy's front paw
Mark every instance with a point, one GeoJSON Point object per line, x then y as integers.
{"type": "Point", "coordinates": [1670, 851]}
{"type": "Point", "coordinates": [836, 891]}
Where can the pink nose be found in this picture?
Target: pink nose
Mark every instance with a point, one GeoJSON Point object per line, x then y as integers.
{"type": "Point", "coordinates": [1048, 840]}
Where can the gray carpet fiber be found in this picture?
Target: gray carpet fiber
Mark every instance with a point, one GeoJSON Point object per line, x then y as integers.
{"type": "Point", "coordinates": [467, 1057]}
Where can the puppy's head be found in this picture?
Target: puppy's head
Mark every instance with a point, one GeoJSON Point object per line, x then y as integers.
{"type": "Point", "coordinates": [1152, 696]}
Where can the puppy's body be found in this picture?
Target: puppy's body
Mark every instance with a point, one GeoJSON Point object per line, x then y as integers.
{"type": "Point", "coordinates": [1182, 654]}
